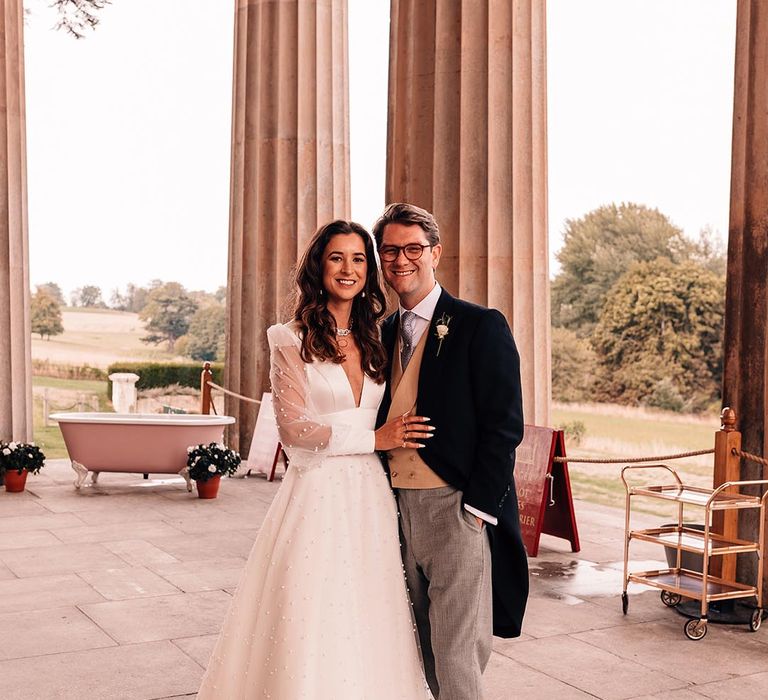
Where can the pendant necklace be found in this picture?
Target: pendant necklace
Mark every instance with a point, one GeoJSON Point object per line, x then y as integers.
{"type": "Point", "coordinates": [341, 336]}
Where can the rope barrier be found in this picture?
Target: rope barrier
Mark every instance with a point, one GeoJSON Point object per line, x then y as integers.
{"type": "Point", "coordinates": [626, 460]}
{"type": "Point", "coordinates": [232, 393]}
{"type": "Point", "coordinates": [53, 407]}
{"type": "Point", "coordinates": [749, 456]}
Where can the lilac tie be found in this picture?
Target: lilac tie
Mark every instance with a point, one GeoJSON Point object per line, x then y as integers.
{"type": "Point", "coordinates": [407, 328]}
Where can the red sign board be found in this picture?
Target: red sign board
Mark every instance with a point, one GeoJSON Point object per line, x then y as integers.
{"type": "Point", "coordinates": [544, 489]}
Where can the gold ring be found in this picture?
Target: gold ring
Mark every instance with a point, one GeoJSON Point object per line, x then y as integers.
{"type": "Point", "coordinates": [403, 444]}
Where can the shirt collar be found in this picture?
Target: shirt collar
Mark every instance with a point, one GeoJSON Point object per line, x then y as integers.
{"type": "Point", "coordinates": [426, 307]}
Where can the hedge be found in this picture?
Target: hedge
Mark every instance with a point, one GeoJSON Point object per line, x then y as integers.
{"type": "Point", "coordinates": [159, 374]}
{"type": "Point", "coordinates": [46, 368]}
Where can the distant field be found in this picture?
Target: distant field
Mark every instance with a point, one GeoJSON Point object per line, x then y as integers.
{"type": "Point", "coordinates": [98, 337]}
{"type": "Point", "coordinates": [622, 433]}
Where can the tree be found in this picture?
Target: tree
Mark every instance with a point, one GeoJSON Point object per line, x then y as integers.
{"type": "Point", "coordinates": [75, 16]}
{"type": "Point", "coordinates": [87, 296]}
{"type": "Point", "coordinates": [573, 367]}
{"type": "Point", "coordinates": [598, 249]}
{"type": "Point", "coordinates": [53, 290]}
{"type": "Point", "coordinates": [207, 331]}
{"type": "Point", "coordinates": [660, 332]}
{"type": "Point", "coordinates": [168, 312]}
{"type": "Point", "coordinates": [709, 251]}
{"type": "Point", "coordinates": [45, 314]}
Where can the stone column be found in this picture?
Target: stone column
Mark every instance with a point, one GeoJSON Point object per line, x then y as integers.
{"type": "Point", "coordinates": [15, 331]}
{"type": "Point", "coordinates": [745, 379]}
{"type": "Point", "coordinates": [290, 169]}
{"type": "Point", "coordinates": [467, 141]}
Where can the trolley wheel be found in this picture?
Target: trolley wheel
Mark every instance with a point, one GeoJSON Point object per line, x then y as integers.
{"type": "Point", "coordinates": [624, 602]}
{"type": "Point", "coordinates": [756, 620]}
{"type": "Point", "coordinates": [695, 629]}
{"type": "Point", "coordinates": [670, 599]}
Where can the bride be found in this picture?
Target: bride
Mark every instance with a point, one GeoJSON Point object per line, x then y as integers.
{"type": "Point", "coordinates": [322, 611]}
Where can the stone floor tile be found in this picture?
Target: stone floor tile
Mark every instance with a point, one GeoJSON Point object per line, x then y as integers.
{"type": "Point", "coordinates": [116, 531]}
{"type": "Point", "coordinates": [128, 514]}
{"type": "Point", "coordinates": [198, 648]}
{"type": "Point", "coordinates": [682, 694]}
{"type": "Point", "coordinates": [61, 559]}
{"type": "Point", "coordinates": [23, 539]}
{"type": "Point", "coordinates": [747, 687]}
{"type": "Point", "coordinates": [132, 672]}
{"type": "Point", "coordinates": [501, 644]}
{"type": "Point", "coordinates": [128, 582]}
{"type": "Point", "coordinates": [47, 521]}
{"type": "Point", "coordinates": [505, 678]}
{"type": "Point", "coordinates": [62, 499]}
{"type": "Point", "coordinates": [161, 617]}
{"type": "Point", "coordinates": [662, 646]}
{"type": "Point", "coordinates": [209, 575]}
{"type": "Point", "coordinates": [590, 669]}
{"type": "Point", "coordinates": [199, 547]}
{"type": "Point", "coordinates": [20, 504]}
{"type": "Point", "coordinates": [218, 522]}
{"type": "Point", "coordinates": [545, 617]}
{"type": "Point", "coordinates": [644, 605]}
{"type": "Point", "coordinates": [39, 632]}
{"type": "Point", "coordinates": [139, 553]}
{"type": "Point", "coordinates": [43, 592]}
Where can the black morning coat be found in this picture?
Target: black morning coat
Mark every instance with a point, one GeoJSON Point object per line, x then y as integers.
{"type": "Point", "coordinates": [469, 385]}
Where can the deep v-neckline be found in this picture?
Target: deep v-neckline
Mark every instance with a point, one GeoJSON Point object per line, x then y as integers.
{"type": "Point", "coordinates": [352, 389]}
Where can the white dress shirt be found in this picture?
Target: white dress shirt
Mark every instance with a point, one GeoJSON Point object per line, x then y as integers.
{"type": "Point", "coordinates": [424, 311]}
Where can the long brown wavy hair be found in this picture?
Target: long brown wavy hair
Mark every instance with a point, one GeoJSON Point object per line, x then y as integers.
{"type": "Point", "coordinates": [317, 325]}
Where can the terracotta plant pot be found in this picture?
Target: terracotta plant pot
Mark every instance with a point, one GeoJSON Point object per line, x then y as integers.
{"type": "Point", "coordinates": [15, 482]}
{"type": "Point", "coordinates": [210, 488]}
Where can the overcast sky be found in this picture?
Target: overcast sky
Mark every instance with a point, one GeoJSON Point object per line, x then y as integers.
{"type": "Point", "coordinates": [128, 130]}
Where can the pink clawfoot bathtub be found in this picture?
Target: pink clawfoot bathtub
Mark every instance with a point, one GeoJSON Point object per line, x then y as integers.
{"type": "Point", "coordinates": [135, 442]}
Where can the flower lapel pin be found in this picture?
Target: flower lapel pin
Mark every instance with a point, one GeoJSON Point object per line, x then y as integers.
{"type": "Point", "coordinates": [441, 331]}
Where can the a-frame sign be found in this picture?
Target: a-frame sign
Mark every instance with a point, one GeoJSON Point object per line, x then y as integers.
{"type": "Point", "coordinates": [544, 489]}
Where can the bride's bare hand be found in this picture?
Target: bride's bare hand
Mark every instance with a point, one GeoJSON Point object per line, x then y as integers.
{"type": "Point", "coordinates": [404, 431]}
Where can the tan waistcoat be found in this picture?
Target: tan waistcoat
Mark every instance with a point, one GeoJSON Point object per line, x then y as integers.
{"type": "Point", "coordinates": [407, 469]}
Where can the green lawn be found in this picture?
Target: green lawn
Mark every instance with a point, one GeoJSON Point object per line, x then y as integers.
{"type": "Point", "coordinates": [640, 430]}
{"type": "Point", "coordinates": [86, 386]}
{"type": "Point", "coordinates": [621, 433]}
{"type": "Point", "coordinates": [65, 397]}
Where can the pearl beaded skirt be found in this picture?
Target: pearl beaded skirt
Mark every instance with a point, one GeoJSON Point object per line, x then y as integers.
{"type": "Point", "coordinates": [321, 611]}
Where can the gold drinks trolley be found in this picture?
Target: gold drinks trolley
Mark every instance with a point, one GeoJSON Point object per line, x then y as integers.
{"type": "Point", "coordinates": [677, 583]}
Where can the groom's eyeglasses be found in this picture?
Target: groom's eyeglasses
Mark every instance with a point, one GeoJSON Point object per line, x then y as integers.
{"type": "Point", "coordinates": [412, 251]}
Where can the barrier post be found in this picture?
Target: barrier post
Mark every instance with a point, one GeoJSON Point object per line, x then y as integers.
{"type": "Point", "coordinates": [205, 389]}
{"type": "Point", "coordinates": [727, 468]}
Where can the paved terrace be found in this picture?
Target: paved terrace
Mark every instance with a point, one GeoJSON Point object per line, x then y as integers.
{"type": "Point", "coordinates": [119, 592]}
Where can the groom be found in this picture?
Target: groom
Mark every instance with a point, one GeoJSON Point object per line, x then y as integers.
{"type": "Point", "coordinates": [457, 363]}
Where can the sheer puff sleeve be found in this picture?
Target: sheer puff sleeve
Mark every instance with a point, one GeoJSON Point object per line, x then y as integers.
{"type": "Point", "coordinates": [307, 438]}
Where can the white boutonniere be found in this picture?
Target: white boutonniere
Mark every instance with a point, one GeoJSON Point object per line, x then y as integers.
{"type": "Point", "coordinates": [441, 330]}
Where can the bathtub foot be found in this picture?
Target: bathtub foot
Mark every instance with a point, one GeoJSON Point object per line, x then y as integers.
{"type": "Point", "coordinates": [95, 477]}
{"type": "Point", "coordinates": [185, 473]}
{"type": "Point", "coordinates": [81, 472]}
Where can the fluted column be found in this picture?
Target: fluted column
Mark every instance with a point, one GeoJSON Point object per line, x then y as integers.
{"type": "Point", "coordinates": [15, 331]}
{"type": "Point", "coordinates": [467, 141]}
{"type": "Point", "coordinates": [290, 169]}
{"type": "Point", "coordinates": [746, 321]}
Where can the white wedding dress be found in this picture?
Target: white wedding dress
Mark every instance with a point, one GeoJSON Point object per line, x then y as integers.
{"type": "Point", "coordinates": [321, 611]}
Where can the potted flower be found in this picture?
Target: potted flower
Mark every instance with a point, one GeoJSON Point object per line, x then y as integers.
{"type": "Point", "coordinates": [16, 460]}
{"type": "Point", "coordinates": [207, 464]}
